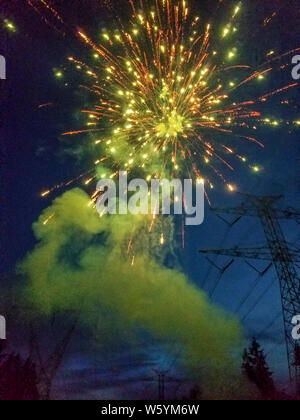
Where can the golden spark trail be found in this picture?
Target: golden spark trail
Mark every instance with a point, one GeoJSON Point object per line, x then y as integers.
{"type": "Point", "coordinates": [165, 87]}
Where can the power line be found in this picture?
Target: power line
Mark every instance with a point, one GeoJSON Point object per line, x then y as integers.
{"type": "Point", "coordinates": [261, 296]}
{"type": "Point", "coordinates": [261, 274]}
{"type": "Point", "coordinates": [221, 270]}
{"type": "Point", "coordinates": [284, 258]}
{"type": "Point", "coordinates": [270, 325]}
{"type": "Point", "coordinates": [203, 284]}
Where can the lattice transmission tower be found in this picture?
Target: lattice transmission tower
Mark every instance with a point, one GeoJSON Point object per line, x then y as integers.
{"type": "Point", "coordinates": [284, 257]}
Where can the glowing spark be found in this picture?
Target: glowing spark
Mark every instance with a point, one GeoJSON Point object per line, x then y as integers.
{"type": "Point", "coordinates": [48, 219]}
{"type": "Point", "coordinates": [165, 100]}
{"type": "Point", "coordinates": [10, 25]}
{"type": "Point", "coordinates": [44, 194]}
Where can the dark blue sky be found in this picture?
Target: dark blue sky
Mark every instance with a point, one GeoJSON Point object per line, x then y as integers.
{"type": "Point", "coordinates": [32, 160]}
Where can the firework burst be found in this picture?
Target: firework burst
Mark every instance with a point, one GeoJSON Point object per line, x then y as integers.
{"type": "Point", "coordinates": [165, 102]}
{"type": "Point", "coordinates": [169, 97]}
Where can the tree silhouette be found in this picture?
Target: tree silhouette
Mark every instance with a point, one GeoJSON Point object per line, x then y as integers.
{"type": "Point", "coordinates": [256, 369]}
{"type": "Point", "coordinates": [195, 393]}
{"type": "Point", "coordinates": [18, 379]}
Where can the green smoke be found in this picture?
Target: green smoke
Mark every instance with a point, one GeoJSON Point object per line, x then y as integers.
{"type": "Point", "coordinates": [83, 262]}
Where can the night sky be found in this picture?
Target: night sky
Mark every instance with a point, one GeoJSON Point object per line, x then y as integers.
{"type": "Point", "coordinates": [34, 158]}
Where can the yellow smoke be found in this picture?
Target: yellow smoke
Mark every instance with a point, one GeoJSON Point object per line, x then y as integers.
{"type": "Point", "coordinates": [80, 262]}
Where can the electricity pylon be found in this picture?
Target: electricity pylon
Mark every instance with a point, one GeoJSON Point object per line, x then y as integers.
{"type": "Point", "coordinates": [161, 386]}
{"type": "Point", "coordinates": [283, 257]}
{"type": "Point", "coordinates": [48, 367]}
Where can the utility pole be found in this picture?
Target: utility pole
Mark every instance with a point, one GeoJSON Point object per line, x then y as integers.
{"type": "Point", "coordinates": [282, 255]}
{"type": "Point", "coordinates": [161, 376]}
{"type": "Point", "coordinates": [161, 386]}
{"type": "Point", "coordinates": [47, 368]}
